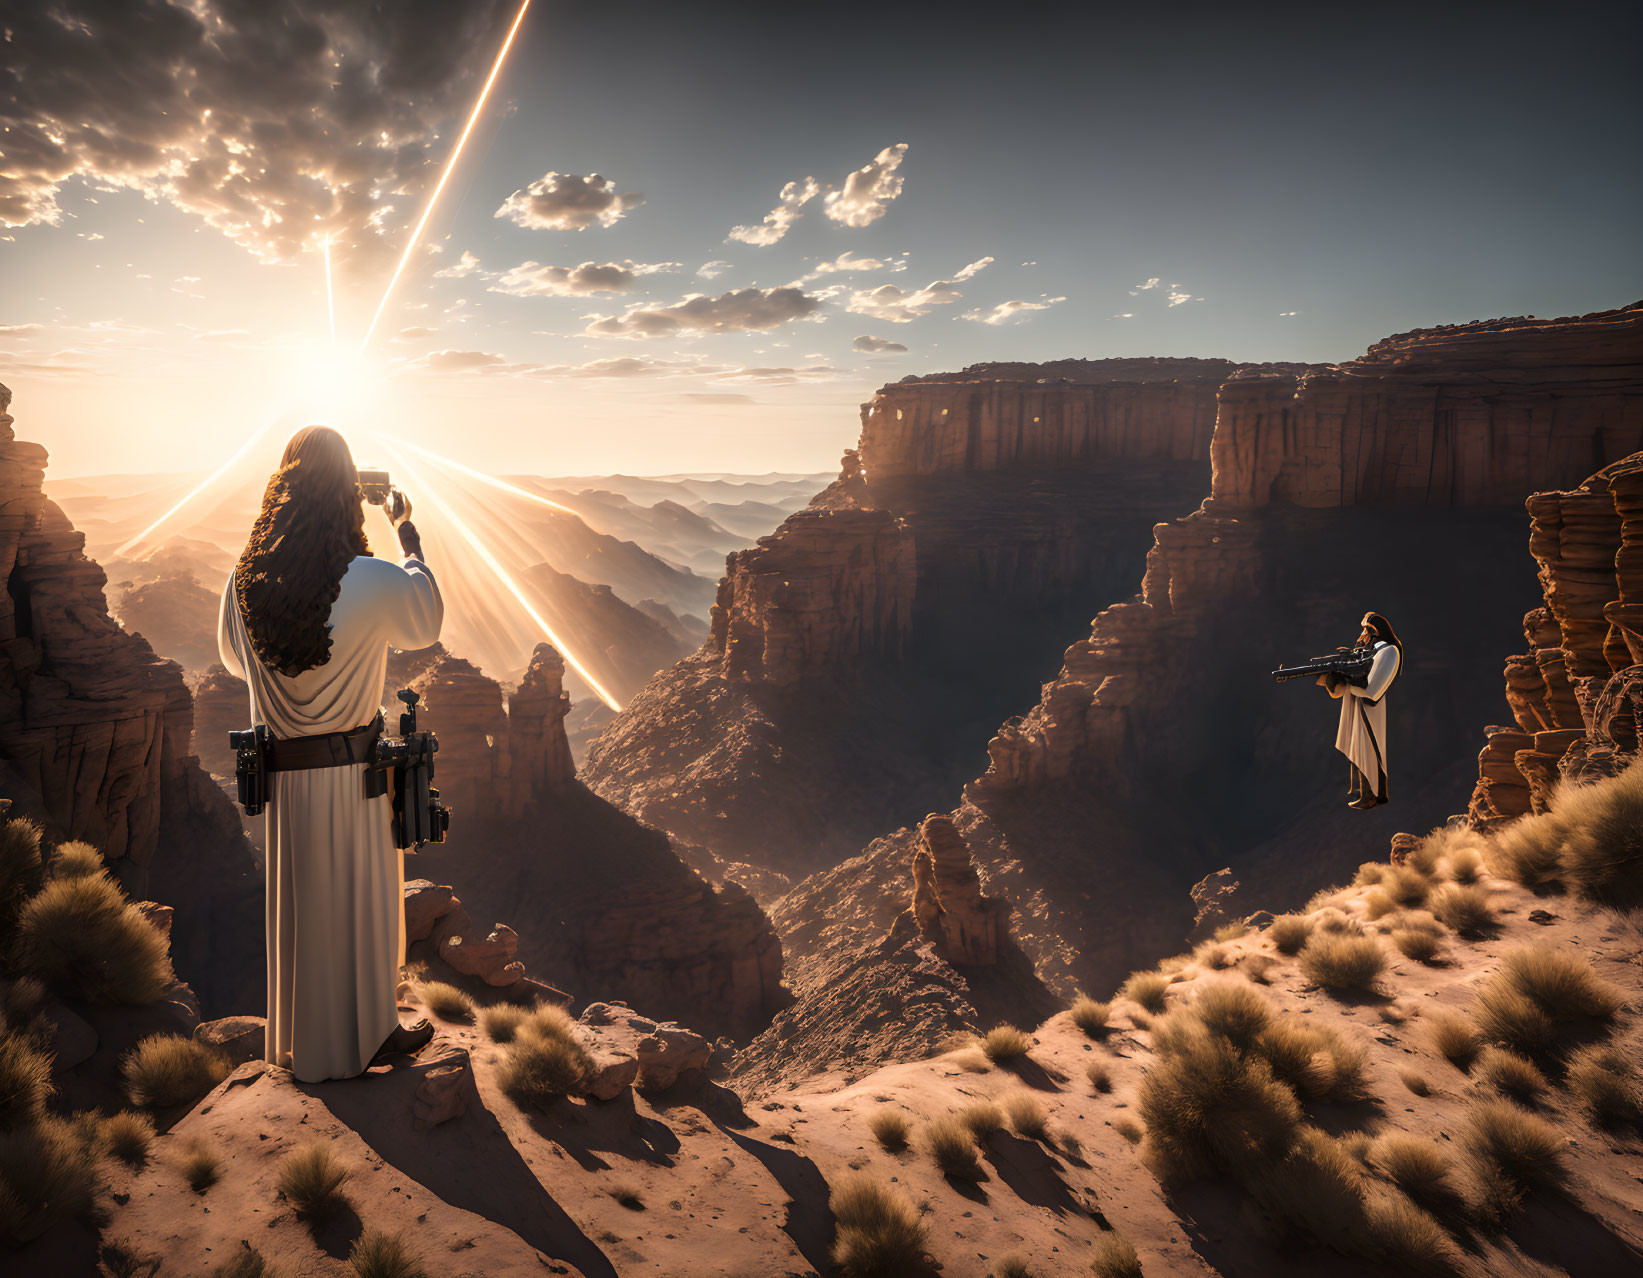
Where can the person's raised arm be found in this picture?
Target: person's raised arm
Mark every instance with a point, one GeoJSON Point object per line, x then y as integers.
{"type": "Point", "coordinates": [1381, 673]}
{"type": "Point", "coordinates": [227, 627]}
{"type": "Point", "coordinates": [415, 614]}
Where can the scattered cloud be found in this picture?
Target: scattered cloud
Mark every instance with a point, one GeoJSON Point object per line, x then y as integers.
{"type": "Point", "coordinates": [847, 261]}
{"type": "Point", "coordinates": [1004, 312]}
{"type": "Point", "coordinates": [794, 196]}
{"type": "Point", "coordinates": [467, 264]}
{"type": "Point", "coordinates": [532, 279]}
{"type": "Point", "coordinates": [779, 376]}
{"type": "Point", "coordinates": [720, 397]}
{"type": "Point", "coordinates": [566, 202]}
{"type": "Point", "coordinates": [742, 310]}
{"type": "Point", "coordinates": [867, 193]}
{"type": "Point", "coordinates": [1178, 296]}
{"type": "Point", "coordinates": [627, 366]}
{"type": "Point", "coordinates": [896, 305]}
{"type": "Point", "coordinates": [460, 361]}
{"type": "Point", "coordinates": [876, 345]}
{"type": "Point", "coordinates": [1283, 314]}
{"type": "Point", "coordinates": [1175, 294]}
{"type": "Point", "coordinates": [1153, 282]}
{"type": "Point", "coordinates": [413, 333]}
{"type": "Point", "coordinates": [712, 270]}
{"type": "Point", "coordinates": [1125, 315]}
{"type": "Point", "coordinates": [276, 125]}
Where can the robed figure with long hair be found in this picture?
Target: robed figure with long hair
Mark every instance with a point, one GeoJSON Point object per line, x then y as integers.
{"type": "Point", "coordinates": [1361, 736]}
{"type": "Point", "coordinates": [307, 617]}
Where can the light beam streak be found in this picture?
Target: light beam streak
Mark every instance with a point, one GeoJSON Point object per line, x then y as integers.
{"type": "Point", "coordinates": [502, 574]}
{"type": "Point", "coordinates": [198, 488]}
{"type": "Point", "coordinates": [330, 299]}
{"type": "Point", "coordinates": [492, 480]}
{"type": "Point", "coordinates": [450, 166]}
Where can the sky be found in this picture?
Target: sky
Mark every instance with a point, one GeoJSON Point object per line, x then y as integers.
{"type": "Point", "coordinates": [696, 237]}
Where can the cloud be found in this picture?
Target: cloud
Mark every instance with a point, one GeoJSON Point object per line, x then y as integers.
{"type": "Point", "coordinates": [532, 279]}
{"type": "Point", "coordinates": [411, 334]}
{"type": "Point", "coordinates": [743, 310]}
{"type": "Point", "coordinates": [1178, 296]}
{"type": "Point", "coordinates": [1174, 293]}
{"type": "Point", "coordinates": [847, 261]}
{"type": "Point", "coordinates": [627, 366]}
{"type": "Point", "coordinates": [779, 376]}
{"type": "Point", "coordinates": [21, 328]}
{"type": "Point", "coordinates": [867, 193]}
{"type": "Point", "coordinates": [726, 397]}
{"type": "Point", "coordinates": [1125, 315]}
{"type": "Point", "coordinates": [1285, 314]}
{"type": "Point", "coordinates": [794, 196]}
{"type": "Point", "coordinates": [875, 345]}
{"type": "Point", "coordinates": [461, 361]}
{"type": "Point", "coordinates": [276, 125]}
{"type": "Point", "coordinates": [1153, 282]}
{"type": "Point", "coordinates": [712, 270]}
{"type": "Point", "coordinates": [566, 202]}
{"type": "Point", "coordinates": [896, 305]}
{"type": "Point", "coordinates": [467, 264]}
{"type": "Point", "coordinates": [1004, 312]}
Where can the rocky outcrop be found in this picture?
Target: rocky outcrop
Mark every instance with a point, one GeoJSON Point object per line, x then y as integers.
{"type": "Point", "coordinates": [539, 758]}
{"type": "Point", "coordinates": [94, 740]}
{"type": "Point", "coordinates": [968, 927]}
{"type": "Point", "coordinates": [221, 705]}
{"type": "Point", "coordinates": [175, 613]}
{"type": "Point", "coordinates": [464, 707]}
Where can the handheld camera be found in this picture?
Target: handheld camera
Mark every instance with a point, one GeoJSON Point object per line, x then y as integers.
{"type": "Point", "coordinates": [374, 486]}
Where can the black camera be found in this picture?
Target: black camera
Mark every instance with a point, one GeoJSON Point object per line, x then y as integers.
{"type": "Point", "coordinates": [419, 816]}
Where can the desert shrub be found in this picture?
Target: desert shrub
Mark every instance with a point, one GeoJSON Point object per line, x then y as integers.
{"type": "Point", "coordinates": [1418, 1167]}
{"type": "Point", "coordinates": [1601, 857]}
{"type": "Point", "coordinates": [1289, 932]}
{"type": "Point", "coordinates": [1526, 851]}
{"type": "Point", "coordinates": [127, 1136]}
{"type": "Point", "coordinates": [541, 1068]}
{"type": "Point", "coordinates": [1463, 907]}
{"type": "Point", "coordinates": [972, 1060]}
{"type": "Point", "coordinates": [445, 1001]}
{"type": "Point", "coordinates": [1091, 1016]}
{"type": "Point", "coordinates": [1341, 961]}
{"type": "Point", "coordinates": [627, 1193]}
{"type": "Point", "coordinates": [502, 1022]}
{"type": "Point", "coordinates": [84, 939]}
{"type": "Point", "coordinates": [889, 1128]}
{"type": "Point", "coordinates": [1257, 968]}
{"type": "Point", "coordinates": [75, 860]}
{"type": "Point", "coordinates": [1507, 1072]}
{"type": "Point", "coordinates": [1026, 1115]}
{"type": "Point", "coordinates": [247, 1262]}
{"type": "Point", "coordinates": [377, 1254]}
{"type": "Point", "coordinates": [1115, 1258]}
{"type": "Point", "coordinates": [1536, 990]}
{"type": "Point", "coordinates": [164, 1071]}
{"type": "Point", "coordinates": [1464, 865]}
{"type": "Point", "coordinates": [20, 872]}
{"type": "Point", "coordinates": [1014, 1267]}
{"type": "Point", "coordinates": [1336, 921]}
{"type": "Point", "coordinates": [1370, 873]}
{"type": "Point", "coordinates": [1312, 1059]}
{"type": "Point", "coordinates": [1099, 1075]}
{"type": "Point", "coordinates": [1604, 1081]}
{"type": "Point", "coordinates": [551, 1020]}
{"type": "Point", "coordinates": [952, 1148]}
{"type": "Point", "coordinates": [1416, 943]}
{"type": "Point", "coordinates": [1214, 957]}
{"type": "Point", "coordinates": [47, 1173]}
{"type": "Point", "coordinates": [880, 1233]}
{"type": "Point", "coordinates": [1231, 931]}
{"type": "Point", "coordinates": [25, 1077]}
{"type": "Point", "coordinates": [1406, 885]}
{"type": "Point", "coordinates": [1005, 1043]}
{"type": "Point", "coordinates": [1235, 1012]}
{"type": "Point", "coordinates": [1512, 1152]}
{"type": "Point", "coordinates": [1378, 903]}
{"type": "Point", "coordinates": [982, 1119]}
{"type": "Point", "coordinates": [311, 1180]}
{"type": "Point", "coordinates": [1210, 1108]}
{"type": "Point", "coordinates": [1129, 1129]}
{"type": "Point", "coordinates": [1315, 1188]}
{"type": "Point", "coordinates": [1455, 1038]}
{"type": "Point", "coordinates": [201, 1167]}
{"type": "Point", "coordinates": [1406, 1239]}
{"type": "Point", "coordinates": [1147, 989]}
{"type": "Point", "coordinates": [1416, 1083]}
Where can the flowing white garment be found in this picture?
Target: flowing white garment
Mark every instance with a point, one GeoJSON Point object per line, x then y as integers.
{"type": "Point", "coordinates": [335, 904]}
{"type": "Point", "coordinates": [1361, 736]}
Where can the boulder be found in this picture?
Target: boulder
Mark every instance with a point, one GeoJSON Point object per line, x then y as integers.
{"type": "Point", "coordinates": [659, 1052]}
{"type": "Point", "coordinates": [444, 1090]}
{"type": "Point", "coordinates": [239, 1038]}
{"type": "Point", "coordinates": [425, 904]}
{"type": "Point", "coordinates": [489, 955]}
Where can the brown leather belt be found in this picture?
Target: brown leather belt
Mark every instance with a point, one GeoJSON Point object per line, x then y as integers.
{"type": "Point", "coordinates": [327, 750]}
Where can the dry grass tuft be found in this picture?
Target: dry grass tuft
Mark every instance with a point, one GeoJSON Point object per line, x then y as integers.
{"type": "Point", "coordinates": [972, 1060]}
{"type": "Point", "coordinates": [1115, 1258]}
{"type": "Point", "coordinates": [1234, 1012]}
{"type": "Point", "coordinates": [1231, 931]}
{"type": "Point", "coordinates": [1378, 903]}
{"type": "Point", "coordinates": [1099, 1075]}
{"type": "Point", "coordinates": [48, 1171]}
{"type": "Point", "coordinates": [382, 1255]}
{"type": "Point", "coordinates": [1512, 1153]}
{"type": "Point", "coordinates": [1370, 874]}
{"type": "Point", "coordinates": [1341, 961]}
{"type": "Point", "coordinates": [952, 1148]}
{"type": "Point", "coordinates": [1314, 1060]}
{"type": "Point", "coordinates": [1258, 968]}
{"type": "Point", "coordinates": [880, 1233]}
{"type": "Point", "coordinates": [127, 1136]}
{"type": "Point", "coordinates": [445, 1001]}
{"type": "Point", "coordinates": [1538, 989]}
{"type": "Point", "coordinates": [1455, 1038]}
{"type": "Point", "coordinates": [1315, 1189]}
{"type": "Point", "coordinates": [1418, 1167]}
{"type": "Point", "coordinates": [247, 1262]}
{"type": "Point", "coordinates": [1604, 1081]}
{"type": "Point", "coordinates": [1406, 1239]}
{"type": "Point", "coordinates": [890, 1128]}
{"type": "Point", "coordinates": [627, 1193]}
{"type": "Point", "coordinates": [1507, 1072]}
{"type": "Point", "coordinates": [1147, 989]}
{"type": "Point", "coordinates": [1416, 943]}
{"type": "Point", "coordinates": [21, 874]}
{"type": "Point", "coordinates": [1527, 850]}
{"type": "Point", "coordinates": [981, 1119]}
{"type": "Point", "coordinates": [75, 860]}
{"type": "Point", "coordinates": [1091, 1016]}
{"type": "Point", "coordinates": [1601, 856]}
{"type": "Point", "coordinates": [1005, 1043]}
{"type": "Point", "coordinates": [502, 1022]}
{"type": "Point", "coordinates": [1464, 866]}
{"type": "Point", "coordinates": [165, 1071]}
{"type": "Point", "coordinates": [84, 939]}
{"type": "Point", "coordinates": [1416, 1083]}
{"type": "Point", "coordinates": [544, 1064]}
{"type": "Point", "coordinates": [1463, 907]}
{"type": "Point", "coordinates": [1130, 1130]}
{"type": "Point", "coordinates": [1407, 885]}
{"type": "Point", "coordinates": [25, 1077]}
{"type": "Point", "coordinates": [1027, 1116]}
{"type": "Point", "coordinates": [1014, 1267]}
{"type": "Point", "coordinates": [1289, 932]}
{"type": "Point", "coordinates": [201, 1167]}
{"type": "Point", "coordinates": [311, 1180]}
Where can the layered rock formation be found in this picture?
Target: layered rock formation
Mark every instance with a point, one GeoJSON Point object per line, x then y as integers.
{"type": "Point", "coordinates": [94, 740]}
{"type": "Point", "coordinates": [861, 653]}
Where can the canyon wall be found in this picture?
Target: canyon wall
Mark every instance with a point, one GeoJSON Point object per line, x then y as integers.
{"type": "Point", "coordinates": [95, 741]}
{"type": "Point", "coordinates": [861, 654]}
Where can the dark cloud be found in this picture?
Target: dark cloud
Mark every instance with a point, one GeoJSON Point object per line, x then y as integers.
{"type": "Point", "coordinates": [532, 279]}
{"type": "Point", "coordinates": [278, 125]}
{"type": "Point", "coordinates": [743, 310]}
{"type": "Point", "coordinates": [875, 345]}
{"type": "Point", "coordinates": [566, 202]}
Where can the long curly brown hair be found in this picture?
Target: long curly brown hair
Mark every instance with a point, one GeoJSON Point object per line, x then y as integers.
{"type": "Point", "coordinates": [311, 526]}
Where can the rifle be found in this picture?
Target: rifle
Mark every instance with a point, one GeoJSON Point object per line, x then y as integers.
{"type": "Point", "coordinates": [1351, 664]}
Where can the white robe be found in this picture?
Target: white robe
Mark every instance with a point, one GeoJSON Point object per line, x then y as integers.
{"type": "Point", "coordinates": [1363, 726]}
{"type": "Point", "coordinates": [335, 904]}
